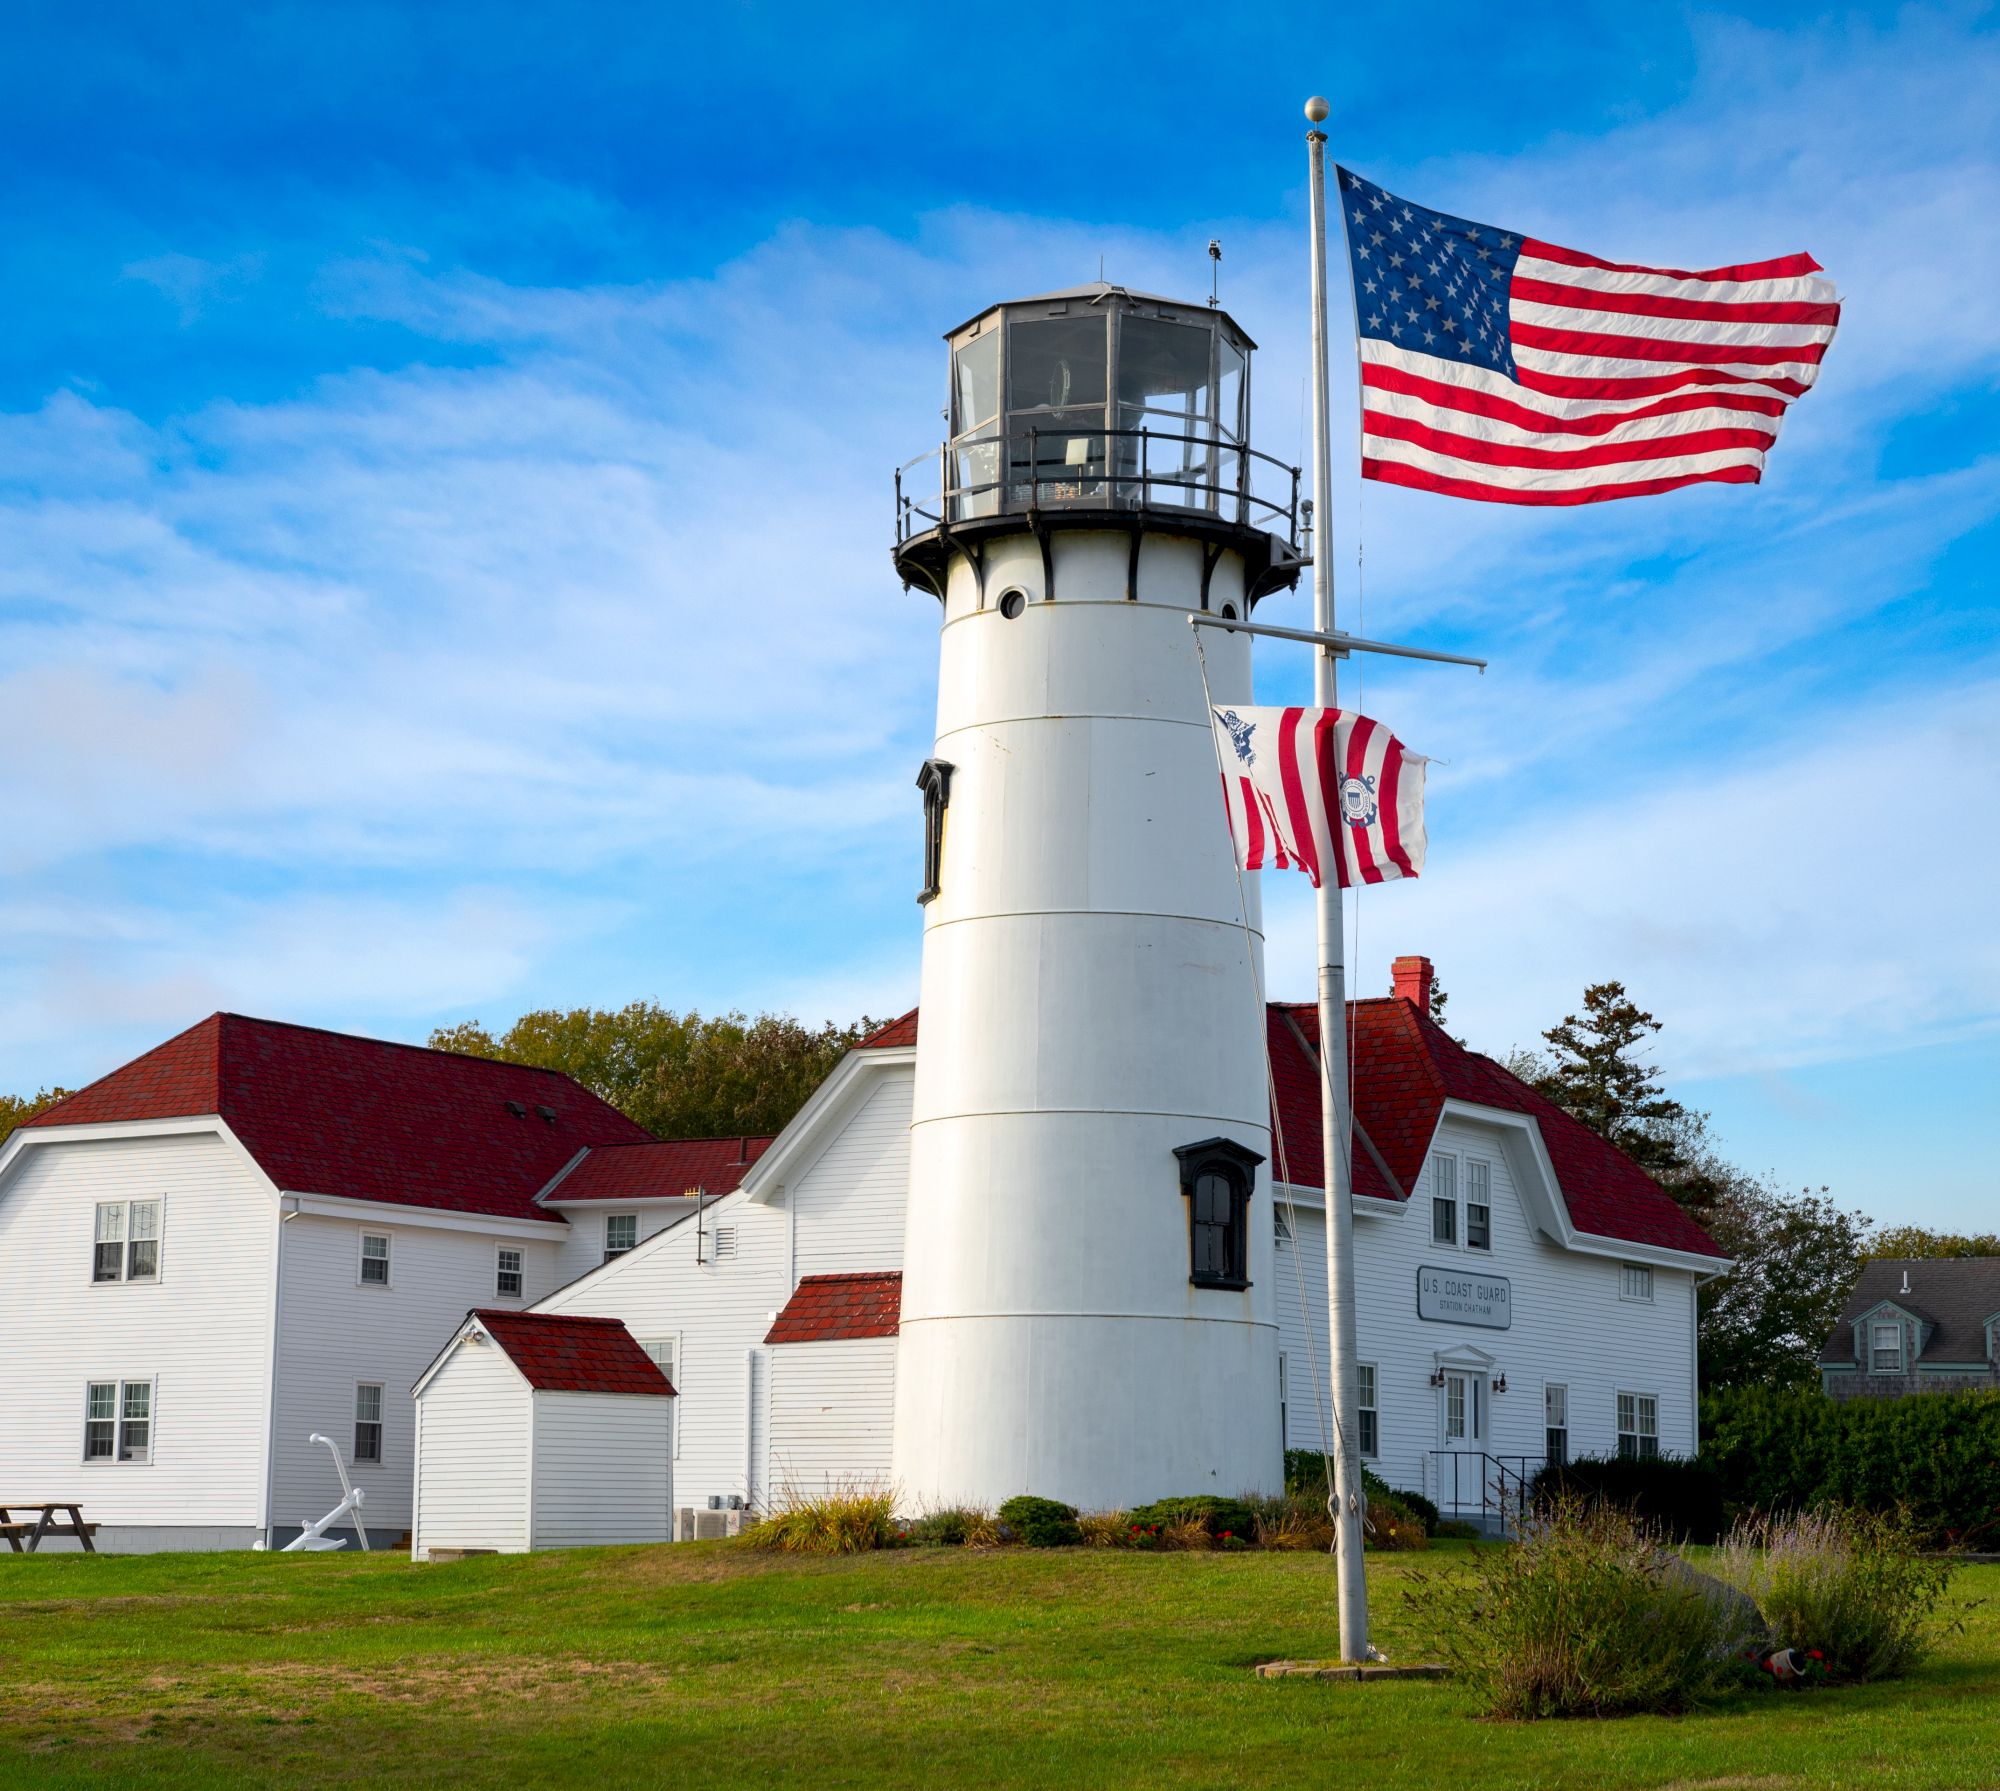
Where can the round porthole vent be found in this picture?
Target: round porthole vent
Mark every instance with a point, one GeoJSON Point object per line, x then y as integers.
{"type": "Point", "coordinates": [1013, 602]}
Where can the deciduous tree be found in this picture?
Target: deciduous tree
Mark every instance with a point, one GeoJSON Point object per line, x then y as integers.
{"type": "Point", "coordinates": [16, 1108]}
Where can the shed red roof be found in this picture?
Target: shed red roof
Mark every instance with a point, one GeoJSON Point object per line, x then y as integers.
{"type": "Point", "coordinates": [825, 1308]}
{"type": "Point", "coordinates": [560, 1353]}
{"type": "Point", "coordinates": [364, 1119]}
{"type": "Point", "coordinates": [660, 1170]}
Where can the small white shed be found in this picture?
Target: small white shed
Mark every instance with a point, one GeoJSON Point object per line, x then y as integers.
{"type": "Point", "coordinates": [541, 1430]}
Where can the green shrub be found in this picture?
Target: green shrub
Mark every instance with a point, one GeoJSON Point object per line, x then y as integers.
{"type": "Point", "coordinates": [840, 1523]}
{"type": "Point", "coordinates": [1847, 1588]}
{"type": "Point", "coordinates": [953, 1526]}
{"type": "Point", "coordinates": [1452, 1529]}
{"type": "Point", "coordinates": [1934, 1457]}
{"type": "Point", "coordinates": [1305, 1473]}
{"type": "Point", "coordinates": [1041, 1523]}
{"type": "Point", "coordinates": [1585, 1614]}
{"type": "Point", "coordinates": [1222, 1520]}
{"type": "Point", "coordinates": [1679, 1497]}
{"type": "Point", "coordinates": [1390, 1523]}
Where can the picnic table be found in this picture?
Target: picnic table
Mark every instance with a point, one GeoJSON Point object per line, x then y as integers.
{"type": "Point", "coordinates": [33, 1529]}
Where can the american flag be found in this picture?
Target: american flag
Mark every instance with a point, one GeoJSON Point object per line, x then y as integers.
{"type": "Point", "coordinates": [1498, 367]}
{"type": "Point", "coordinates": [1308, 788]}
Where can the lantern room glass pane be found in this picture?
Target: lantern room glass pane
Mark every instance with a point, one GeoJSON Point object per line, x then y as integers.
{"type": "Point", "coordinates": [1057, 370]}
{"type": "Point", "coordinates": [1165, 389]}
{"type": "Point", "coordinates": [1057, 363]}
{"type": "Point", "coordinates": [1229, 417]}
{"type": "Point", "coordinates": [975, 385]}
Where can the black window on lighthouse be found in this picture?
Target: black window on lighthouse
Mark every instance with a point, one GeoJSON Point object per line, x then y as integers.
{"type": "Point", "coordinates": [1216, 1178]}
{"type": "Point", "coordinates": [934, 779]}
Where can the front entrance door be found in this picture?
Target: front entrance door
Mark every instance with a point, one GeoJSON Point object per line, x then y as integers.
{"type": "Point", "coordinates": [1462, 1461]}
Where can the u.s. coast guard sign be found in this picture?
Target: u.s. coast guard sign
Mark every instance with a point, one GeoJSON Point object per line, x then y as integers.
{"type": "Point", "coordinates": [1454, 1297]}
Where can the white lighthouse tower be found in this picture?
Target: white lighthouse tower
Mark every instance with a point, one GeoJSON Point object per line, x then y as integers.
{"type": "Point", "coordinates": [1088, 1298]}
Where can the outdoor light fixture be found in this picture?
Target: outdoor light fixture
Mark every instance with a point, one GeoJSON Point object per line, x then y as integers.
{"type": "Point", "coordinates": [1500, 1383]}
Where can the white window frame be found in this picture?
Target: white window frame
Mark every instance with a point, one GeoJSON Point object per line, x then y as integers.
{"type": "Point", "coordinates": [1635, 1282]}
{"type": "Point", "coordinates": [121, 1386]}
{"type": "Point", "coordinates": [1445, 1201]}
{"type": "Point", "coordinates": [1478, 1193]}
{"type": "Point", "coordinates": [671, 1368]}
{"type": "Point", "coordinates": [125, 1240]}
{"type": "Point", "coordinates": [1281, 1228]}
{"type": "Point", "coordinates": [1645, 1423]}
{"type": "Point", "coordinates": [387, 1259]}
{"type": "Point", "coordinates": [1876, 1326]}
{"type": "Point", "coordinates": [501, 1271]}
{"type": "Point", "coordinates": [1555, 1405]}
{"type": "Point", "coordinates": [380, 1421]}
{"type": "Point", "coordinates": [610, 1254]}
{"type": "Point", "coordinates": [1368, 1423]}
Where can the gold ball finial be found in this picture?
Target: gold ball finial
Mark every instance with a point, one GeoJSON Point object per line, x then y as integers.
{"type": "Point", "coordinates": [1316, 109]}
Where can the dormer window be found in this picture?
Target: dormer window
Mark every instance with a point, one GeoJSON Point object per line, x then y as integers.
{"type": "Point", "coordinates": [934, 779]}
{"type": "Point", "coordinates": [1216, 1178]}
{"type": "Point", "coordinates": [1885, 1347]}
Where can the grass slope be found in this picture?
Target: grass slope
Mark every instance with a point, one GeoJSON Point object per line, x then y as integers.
{"type": "Point", "coordinates": [705, 1666]}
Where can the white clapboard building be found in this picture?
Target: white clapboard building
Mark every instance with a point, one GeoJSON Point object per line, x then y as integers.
{"type": "Point", "coordinates": [258, 1232]}
{"type": "Point", "coordinates": [1525, 1289]}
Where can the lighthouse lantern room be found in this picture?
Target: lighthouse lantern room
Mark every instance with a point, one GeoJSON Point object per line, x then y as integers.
{"type": "Point", "coordinates": [1088, 1308]}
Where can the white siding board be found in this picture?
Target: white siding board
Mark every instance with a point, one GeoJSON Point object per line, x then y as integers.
{"type": "Point", "coordinates": [603, 1469]}
{"type": "Point", "coordinates": [478, 1421]}
{"type": "Point", "coordinates": [202, 1332]}
{"type": "Point", "coordinates": [849, 1201]}
{"type": "Point", "coordinates": [336, 1332]}
{"type": "Point", "coordinates": [832, 1414]}
{"type": "Point", "coordinates": [1569, 1325]}
{"type": "Point", "coordinates": [720, 1312]}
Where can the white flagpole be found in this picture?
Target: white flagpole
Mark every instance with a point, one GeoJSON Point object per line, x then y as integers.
{"type": "Point", "coordinates": [1335, 1122]}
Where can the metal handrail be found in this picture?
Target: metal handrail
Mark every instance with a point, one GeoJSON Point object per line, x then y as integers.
{"type": "Point", "coordinates": [1024, 487]}
{"type": "Point", "coordinates": [1491, 1502]}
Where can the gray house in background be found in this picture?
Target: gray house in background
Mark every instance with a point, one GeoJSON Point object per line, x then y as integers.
{"type": "Point", "coordinates": [1917, 1327]}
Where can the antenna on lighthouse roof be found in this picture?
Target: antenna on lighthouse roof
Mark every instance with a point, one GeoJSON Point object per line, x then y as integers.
{"type": "Point", "coordinates": [1214, 271]}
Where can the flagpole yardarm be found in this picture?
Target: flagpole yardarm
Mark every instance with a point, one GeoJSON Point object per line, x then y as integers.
{"type": "Point", "coordinates": [1342, 1328]}
{"type": "Point", "coordinates": [1340, 645]}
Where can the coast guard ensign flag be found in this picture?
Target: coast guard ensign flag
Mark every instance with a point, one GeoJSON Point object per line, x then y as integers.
{"type": "Point", "coordinates": [1312, 788]}
{"type": "Point", "coordinates": [1498, 367]}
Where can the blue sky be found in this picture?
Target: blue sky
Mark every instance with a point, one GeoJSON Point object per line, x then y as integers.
{"type": "Point", "coordinates": [444, 477]}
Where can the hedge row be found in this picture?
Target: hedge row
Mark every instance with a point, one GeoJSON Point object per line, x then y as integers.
{"type": "Point", "coordinates": [1936, 1455]}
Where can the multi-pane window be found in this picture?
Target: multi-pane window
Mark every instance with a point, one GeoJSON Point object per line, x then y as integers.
{"type": "Point", "coordinates": [1478, 1205]}
{"type": "Point", "coordinates": [507, 1275]}
{"type": "Point", "coordinates": [1444, 1200]}
{"type": "Point", "coordinates": [1455, 1387]}
{"type": "Point", "coordinates": [1281, 1230]}
{"type": "Point", "coordinates": [1367, 1416]}
{"type": "Point", "coordinates": [374, 1259]}
{"type": "Point", "coordinates": [1638, 1425]}
{"type": "Point", "coordinates": [1555, 1422]}
{"type": "Point", "coordinates": [127, 1244]}
{"type": "Point", "coordinates": [118, 1421]}
{"type": "Point", "coordinates": [367, 1422]}
{"type": "Point", "coordinates": [1886, 1348]}
{"type": "Point", "coordinates": [1215, 1179]}
{"type": "Point", "coordinates": [621, 1233]}
{"type": "Point", "coordinates": [1635, 1281]}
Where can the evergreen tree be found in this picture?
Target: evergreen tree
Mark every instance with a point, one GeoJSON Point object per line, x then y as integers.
{"type": "Point", "coordinates": [1598, 1072]}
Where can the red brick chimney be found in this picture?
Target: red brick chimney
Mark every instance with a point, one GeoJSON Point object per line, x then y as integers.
{"type": "Point", "coordinates": [1412, 979]}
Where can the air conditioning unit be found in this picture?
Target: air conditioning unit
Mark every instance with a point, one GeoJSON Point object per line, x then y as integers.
{"type": "Point", "coordinates": [711, 1526]}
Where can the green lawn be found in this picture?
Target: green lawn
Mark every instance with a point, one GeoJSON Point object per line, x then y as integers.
{"type": "Point", "coordinates": [702, 1665]}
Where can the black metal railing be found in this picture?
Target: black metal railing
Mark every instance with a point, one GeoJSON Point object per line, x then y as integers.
{"type": "Point", "coordinates": [1473, 1481]}
{"type": "Point", "coordinates": [1028, 471]}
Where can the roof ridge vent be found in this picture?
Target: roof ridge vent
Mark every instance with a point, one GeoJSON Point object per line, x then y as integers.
{"type": "Point", "coordinates": [548, 1114]}
{"type": "Point", "coordinates": [515, 1108]}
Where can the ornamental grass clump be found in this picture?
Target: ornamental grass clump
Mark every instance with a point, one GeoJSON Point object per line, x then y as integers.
{"type": "Point", "coordinates": [1847, 1588]}
{"type": "Point", "coordinates": [1105, 1529]}
{"type": "Point", "coordinates": [836, 1523]}
{"type": "Point", "coordinates": [1586, 1614]}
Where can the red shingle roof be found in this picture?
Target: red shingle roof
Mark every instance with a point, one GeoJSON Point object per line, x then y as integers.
{"type": "Point", "coordinates": [897, 1032]}
{"type": "Point", "coordinates": [364, 1119]}
{"type": "Point", "coordinates": [661, 1171]}
{"type": "Point", "coordinates": [1405, 1068]}
{"type": "Point", "coordinates": [825, 1308]}
{"type": "Point", "coordinates": [563, 1354]}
